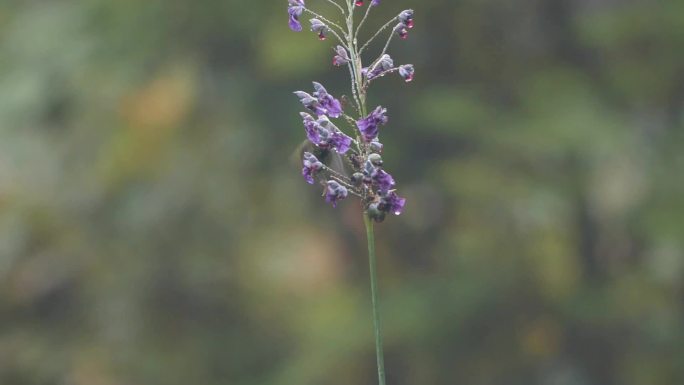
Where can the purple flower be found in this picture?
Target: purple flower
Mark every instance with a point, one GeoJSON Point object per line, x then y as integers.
{"type": "Point", "coordinates": [333, 137]}
{"type": "Point", "coordinates": [311, 128]}
{"type": "Point", "coordinates": [383, 180]}
{"type": "Point", "coordinates": [392, 203]}
{"type": "Point", "coordinates": [406, 71]}
{"type": "Point", "coordinates": [406, 18]}
{"type": "Point", "coordinates": [375, 3]}
{"type": "Point", "coordinates": [374, 175]}
{"type": "Point", "coordinates": [340, 142]}
{"type": "Point", "coordinates": [311, 166]}
{"type": "Point", "coordinates": [334, 192]}
{"type": "Point", "coordinates": [319, 27]}
{"type": "Point", "coordinates": [295, 9]}
{"type": "Point", "coordinates": [324, 134]}
{"type": "Point", "coordinates": [342, 56]}
{"type": "Point", "coordinates": [310, 103]}
{"type": "Point", "coordinates": [385, 63]}
{"type": "Point", "coordinates": [332, 106]}
{"type": "Point", "coordinates": [369, 125]}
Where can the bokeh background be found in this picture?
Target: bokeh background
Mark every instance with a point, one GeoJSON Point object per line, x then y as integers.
{"type": "Point", "coordinates": [154, 231]}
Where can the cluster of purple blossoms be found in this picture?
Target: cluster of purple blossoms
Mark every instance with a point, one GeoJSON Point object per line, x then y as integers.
{"type": "Point", "coordinates": [405, 23]}
{"type": "Point", "coordinates": [360, 151]}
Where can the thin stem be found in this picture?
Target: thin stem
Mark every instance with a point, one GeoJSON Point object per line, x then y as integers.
{"type": "Point", "coordinates": [377, 327]}
{"type": "Point", "coordinates": [353, 86]}
{"type": "Point", "coordinates": [350, 120]}
{"type": "Point", "coordinates": [381, 74]}
{"type": "Point", "coordinates": [354, 65]}
{"type": "Point", "coordinates": [362, 21]}
{"type": "Point", "coordinates": [363, 47]}
{"type": "Point", "coordinates": [337, 5]}
{"type": "Point", "coordinates": [331, 23]}
{"type": "Point", "coordinates": [389, 39]}
{"type": "Point", "coordinates": [337, 174]}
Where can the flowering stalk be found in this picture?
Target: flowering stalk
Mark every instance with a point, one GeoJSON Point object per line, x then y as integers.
{"type": "Point", "coordinates": [360, 151]}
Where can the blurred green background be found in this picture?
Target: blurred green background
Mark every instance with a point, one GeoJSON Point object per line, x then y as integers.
{"type": "Point", "coordinates": [153, 231]}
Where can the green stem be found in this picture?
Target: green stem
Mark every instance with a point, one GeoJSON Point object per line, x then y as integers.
{"type": "Point", "coordinates": [377, 327]}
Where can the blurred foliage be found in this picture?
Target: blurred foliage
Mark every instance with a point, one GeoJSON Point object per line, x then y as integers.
{"type": "Point", "coordinates": [152, 231]}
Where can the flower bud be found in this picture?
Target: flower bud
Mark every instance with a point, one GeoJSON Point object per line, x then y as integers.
{"type": "Point", "coordinates": [342, 56]}
{"type": "Point", "coordinates": [375, 213]}
{"type": "Point", "coordinates": [406, 18]}
{"type": "Point", "coordinates": [357, 178]}
{"type": "Point", "coordinates": [319, 27]}
{"type": "Point", "coordinates": [406, 71]}
{"type": "Point", "coordinates": [376, 146]}
{"type": "Point", "coordinates": [400, 29]}
{"type": "Point", "coordinates": [375, 159]}
{"type": "Point", "coordinates": [384, 63]}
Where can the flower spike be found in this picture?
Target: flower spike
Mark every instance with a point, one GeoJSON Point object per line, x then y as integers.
{"type": "Point", "coordinates": [357, 152]}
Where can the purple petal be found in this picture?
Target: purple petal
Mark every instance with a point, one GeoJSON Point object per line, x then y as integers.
{"type": "Point", "coordinates": [295, 25]}
{"type": "Point", "coordinates": [393, 203]}
{"type": "Point", "coordinates": [384, 181]}
{"type": "Point", "coordinates": [341, 142]}
{"type": "Point", "coordinates": [311, 128]}
{"type": "Point", "coordinates": [295, 11]}
{"type": "Point", "coordinates": [369, 126]}
{"type": "Point", "coordinates": [332, 106]}
{"type": "Point", "coordinates": [308, 175]}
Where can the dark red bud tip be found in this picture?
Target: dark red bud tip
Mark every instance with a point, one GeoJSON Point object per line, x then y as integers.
{"type": "Point", "coordinates": [409, 24]}
{"type": "Point", "coordinates": [321, 36]}
{"type": "Point", "coordinates": [409, 78]}
{"type": "Point", "coordinates": [359, 3]}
